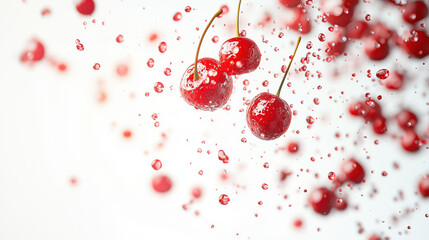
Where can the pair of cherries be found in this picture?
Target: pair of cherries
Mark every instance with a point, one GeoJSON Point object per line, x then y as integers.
{"type": "Point", "coordinates": [207, 85]}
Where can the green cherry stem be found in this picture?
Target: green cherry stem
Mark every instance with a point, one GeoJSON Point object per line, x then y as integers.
{"type": "Point", "coordinates": [288, 67]}
{"type": "Point", "coordinates": [237, 27]}
{"type": "Point", "coordinates": [196, 77]}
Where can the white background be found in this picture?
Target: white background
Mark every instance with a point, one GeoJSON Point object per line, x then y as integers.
{"type": "Point", "coordinates": [53, 128]}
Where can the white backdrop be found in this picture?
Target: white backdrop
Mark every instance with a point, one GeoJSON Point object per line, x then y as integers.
{"type": "Point", "coordinates": [53, 128]}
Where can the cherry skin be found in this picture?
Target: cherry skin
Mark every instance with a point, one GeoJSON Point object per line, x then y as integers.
{"type": "Point", "coordinates": [357, 29]}
{"type": "Point", "coordinates": [212, 89]}
{"type": "Point", "coordinates": [415, 43]}
{"type": "Point", "coordinates": [353, 170]}
{"type": "Point", "coordinates": [406, 119]}
{"type": "Point", "coordinates": [301, 23]}
{"type": "Point", "coordinates": [410, 141]}
{"type": "Point", "coordinates": [322, 200]}
{"type": "Point", "coordinates": [394, 81]}
{"type": "Point", "coordinates": [424, 186]}
{"type": "Point", "coordinates": [239, 55]}
{"type": "Point", "coordinates": [290, 3]}
{"type": "Point", "coordinates": [379, 125]}
{"type": "Point", "coordinates": [376, 49]}
{"type": "Point", "coordinates": [340, 204]}
{"type": "Point", "coordinates": [338, 12]}
{"type": "Point", "coordinates": [268, 116]}
{"type": "Point", "coordinates": [161, 184]}
{"type": "Point", "coordinates": [415, 11]}
{"type": "Point", "coordinates": [85, 7]}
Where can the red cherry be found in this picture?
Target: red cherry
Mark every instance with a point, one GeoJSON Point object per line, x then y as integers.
{"type": "Point", "coordinates": [379, 125]}
{"type": "Point", "coordinates": [290, 3]}
{"type": "Point", "coordinates": [376, 49]}
{"type": "Point", "coordinates": [380, 31]}
{"type": "Point", "coordinates": [322, 200]}
{"type": "Point", "coordinates": [301, 23]}
{"type": "Point", "coordinates": [424, 186]}
{"type": "Point", "coordinates": [338, 43]}
{"type": "Point", "coordinates": [353, 170]}
{"type": "Point", "coordinates": [415, 43]}
{"type": "Point", "coordinates": [239, 55]}
{"type": "Point", "coordinates": [340, 204]}
{"type": "Point", "coordinates": [415, 11]}
{"type": "Point", "coordinates": [357, 29]}
{"type": "Point", "coordinates": [204, 84]}
{"type": "Point", "coordinates": [338, 12]}
{"type": "Point", "coordinates": [212, 89]}
{"type": "Point", "coordinates": [406, 119]}
{"type": "Point", "coordinates": [268, 116]}
{"type": "Point", "coordinates": [161, 183]}
{"type": "Point", "coordinates": [394, 81]}
{"type": "Point", "coordinates": [410, 141]}
{"type": "Point", "coordinates": [34, 52]}
{"type": "Point", "coordinates": [85, 7]}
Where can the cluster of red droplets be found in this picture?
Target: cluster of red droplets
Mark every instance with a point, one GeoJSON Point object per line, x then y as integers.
{"type": "Point", "coordinates": [322, 199]}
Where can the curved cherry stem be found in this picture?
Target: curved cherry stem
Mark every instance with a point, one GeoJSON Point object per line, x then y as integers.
{"type": "Point", "coordinates": [196, 77]}
{"type": "Point", "coordinates": [288, 67]}
{"type": "Point", "coordinates": [237, 27]}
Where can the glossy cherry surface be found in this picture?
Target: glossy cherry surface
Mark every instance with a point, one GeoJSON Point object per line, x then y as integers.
{"type": "Point", "coordinates": [376, 49]}
{"type": "Point", "coordinates": [406, 119]}
{"type": "Point", "coordinates": [353, 170]}
{"type": "Point", "coordinates": [415, 43]}
{"type": "Point", "coordinates": [212, 89]}
{"type": "Point", "coordinates": [268, 116]}
{"type": "Point", "coordinates": [239, 55]}
{"type": "Point", "coordinates": [414, 11]}
{"type": "Point", "coordinates": [322, 200]}
{"type": "Point", "coordinates": [410, 141]}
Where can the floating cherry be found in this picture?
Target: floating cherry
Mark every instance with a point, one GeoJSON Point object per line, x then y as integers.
{"type": "Point", "coordinates": [204, 84]}
{"type": "Point", "coordinates": [239, 55]}
{"type": "Point", "coordinates": [269, 116]}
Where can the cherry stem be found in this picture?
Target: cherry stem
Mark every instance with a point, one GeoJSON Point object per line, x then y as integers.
{"type": "Point", "coordinates": [237, 27]}
{"type": "Point", "coordinates": [196, 77]}
{"type": "Point", "coordinates": [288, 67]}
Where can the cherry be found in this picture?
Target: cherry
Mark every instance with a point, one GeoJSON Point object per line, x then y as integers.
{"type": "Point", "coordinates": [379, 125]}
{"type": "Point", "coordinates": [353, 171]}
{"type": "Point", "coordinates": [204, 84]}
{"type": "Point", "coordinates": [161, 183]}
{"type": "Point", "coordinates": [338, 12]}
{"type": "Point", "coordinates": [322, 200]}
{"type": "Point", "coordinates": [394, 81]}
{"type": "Point", "coordinates": [301, 22]}
{"type": "Point", "coordinates": [337, 45]}
{"type": "Point", "coordinates": [34, 52]}
{"type": "Point", "coordinates": [85, 7]}
{"type": "Point", "coordinates": [293, 147]}
{"type": "Point", "coordinates": [410, 141]}
{"type": "Point", "coordinates": [376, 49]}
{"type": "Point", "coordinates": [406, 119]}
{"type": "Point", "coordinates": [239, 55]}
{"type": "Point", "coordinates": [424, 186]}
{"type": "Point", "coordinates": [357, 29]}
{"type": "Point", "coordinates": [415, 43]}
{"type": "Point", "coordinates": [269, 116]}
{"type": "Point", "coordinates": [340, 204]}
{"type": "Point", "coordinates": [415, 11]}
{"type": "Point", "coordinates": [290, 3]}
